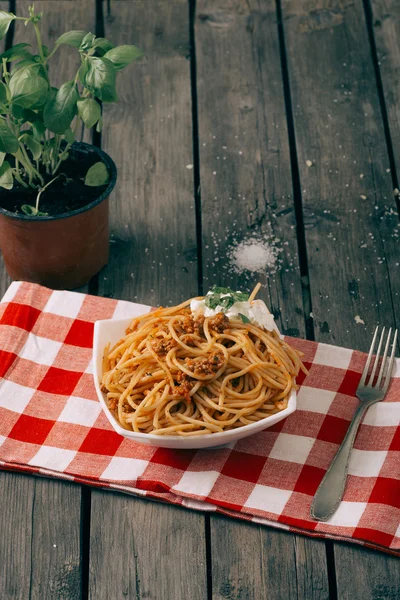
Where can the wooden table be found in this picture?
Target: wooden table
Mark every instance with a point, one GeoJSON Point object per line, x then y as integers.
{"type": "Point", "coordinates": [247, 118]}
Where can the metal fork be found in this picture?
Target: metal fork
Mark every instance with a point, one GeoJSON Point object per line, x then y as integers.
{"type": "Point", "coordinates": [330, 491]}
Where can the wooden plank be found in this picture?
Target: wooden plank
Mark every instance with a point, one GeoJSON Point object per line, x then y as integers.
{"type": "Point", "coordinates": [244, 153]}
{"type": "Point", "coordinates": [251, 561]}
{"type": "Point", "coordinates": [385, 17]}
{"type": "Point", "coordinates": [246, 192]}
{"type": "Point", "coordinates": [40, 547]}
{"type": "Point", "coordinates": [161, 550]}
{"type": "Point", "coordinates": [349, 212]}
{"type": "Point", "coordinates": [40, 541]}
{"type": "Point", "coordinates": [148, 133]}
{"type": "Point", "coordinates": [370, 575]}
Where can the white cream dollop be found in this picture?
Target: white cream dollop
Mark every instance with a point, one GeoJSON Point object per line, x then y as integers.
{"type": "Point", "coordinates": [256, 311]}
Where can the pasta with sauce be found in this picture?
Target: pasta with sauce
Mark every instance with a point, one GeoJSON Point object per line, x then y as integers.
{"type": "Point", "coordinates": [178, 374]}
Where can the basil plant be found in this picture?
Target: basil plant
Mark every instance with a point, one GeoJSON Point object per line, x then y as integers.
{"type": "Point", "coordinates": [39, 122]}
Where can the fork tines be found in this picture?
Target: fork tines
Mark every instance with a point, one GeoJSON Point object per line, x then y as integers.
{"type": "Point", "coordinates": [386, 364]}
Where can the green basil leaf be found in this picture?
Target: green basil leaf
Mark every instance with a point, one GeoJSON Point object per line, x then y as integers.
{"type": "Point", "coordinates": [26, 62]}
{"type": "Point", "coordinates": [71, 38]}
{"type": "Point", "coordinates": [5, 22]}
{"type": "Point", "coordinates": [102, 45]}
{"type": "Point", "coordinates": [83, 69]}
{"type": "Point", "coordinates": [97, 175]}
{"type": "Point", "coordinates": [87, 42]}
{"type": "Point", "coordinates": [28, 88]}
{"type": "Point", "coordinates": [6, 176]}
{"type": "Point", "coordinates": [38, 129]}
{"type": "Point", "coordinates": [2, 157]}
{"type": "Point", "coordinates": [31, 211]}
{"type": "Point", "coordinates": [69, 136]}
{"type": "Point", "coordinates": [25, 114]}
{"type": "Point", "coordinates": [99, 125]}
{"type": "Point", "coordinates": [89, 110]}
{"type": "Point", "coordinates": [8, 141]}
{"type": "Point", "coordinates": [244, 318]}
{"type": "Point", "coordinates": [16, 52]}
{"type": "Point", "coordinates": [122, 56]}
{"type": "Point", "coordinates": [60, 110]}
{"type": "Point", "coordinates": [32, 144]}
{"type": "Point", "coordinates": [100, 79]}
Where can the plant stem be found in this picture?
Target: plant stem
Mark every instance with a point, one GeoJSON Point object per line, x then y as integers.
{"type": "Point", "coordinates": [17, 174]}
{"type": "Point", "coordinates": [42, 190]}
{"type": "Point", "coordinates": [32, 172]}
{"type": "Point", "coordinates": [39, 42]}
{"type": "Point", "coordinates": [67, 147]}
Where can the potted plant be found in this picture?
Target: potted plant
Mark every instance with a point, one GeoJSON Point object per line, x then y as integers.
{"type": "Point", "coordinates": [54, 190]}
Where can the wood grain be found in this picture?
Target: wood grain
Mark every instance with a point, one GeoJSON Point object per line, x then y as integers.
{"type": "Point", "coordinates": [374, 576]}
{"type": "Point", "coordinates": [141, 549]}
{"type": "Point", "coordinates": [250, 561]}
{"type": "Point", "coordinates": [349, 212]}
{"type": "Point", "coordinates": [246, 187]}
{"type": "Point", "coordinates": [145, 550]}
{"type": "Point", "coordinates": [40, 540]}
{"type": "Point", "coordinates": [43, 513]}
{"type": "Point", "coordinates": [246, 192]}
{"type": "Point", "coordinates": [148, 134]}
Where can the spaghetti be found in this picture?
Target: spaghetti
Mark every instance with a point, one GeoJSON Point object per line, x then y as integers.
{"type": "Point", "coordinates": [178, 374]}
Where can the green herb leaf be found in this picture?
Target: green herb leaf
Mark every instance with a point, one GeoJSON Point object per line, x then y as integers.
{"type": "Point", "coordinates": [244, 318]}
{"type": "Point", "coordinates": [224, 297]}
{"type": "Point", "coordinates": [102, 45]}
{"type": "Point", "coordinates": [8, 141]}
{"type": "Point", "coordinates": [28, 88]}
{"type": "Point", "coordinates": [97, 175]}
{"type": "Point", "coordinates": [71, 38]}
{"type": "Point", "coordinates": [122, 56]}
{"type": "Point", "coordinates": [38, 129]}
{"type": "Point", "coordinates": [6, 176]}
{"type": "Point", "coordinates": [99, 125]}
{"type": "Point", "coordinates": [60, 110]}
{"type": "Point", "coordinates": [32, 144]}
{"type": "Point", "coordinates": [87, 42]}
{"type": "Point", "coordinates": [5, 22]}
{"type": "Point", "coordinates": [29, 210]}
{"type": "Point", "coordinates": [16, 52]}
{"type": "Point", "coordinates": [69, 136]}
{"type": "Point", "coordinates": [100, 79]}
{"type": "Point", "coordinates": [2, 157]}
{"type": "Point", "coordinates": [89, 110]}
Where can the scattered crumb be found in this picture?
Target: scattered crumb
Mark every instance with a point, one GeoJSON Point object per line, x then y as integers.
{"type": "Point", "coordinates": [189, 166]}
{"type": "Point", "coordinates": [309, 163]}
{"type": "Point", "coordinates": [359, 320]}
{"type": "Point", "coordinates": [311, 315]}
{"type": "Point", "coordinates": [363, 197]}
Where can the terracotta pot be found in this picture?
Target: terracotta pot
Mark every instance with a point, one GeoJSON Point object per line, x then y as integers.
{"type": "Point", "coordinates": [61, 252]}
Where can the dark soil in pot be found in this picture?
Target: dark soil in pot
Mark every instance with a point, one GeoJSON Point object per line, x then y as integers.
{"type": "Point", "coordinates": [67, 193]}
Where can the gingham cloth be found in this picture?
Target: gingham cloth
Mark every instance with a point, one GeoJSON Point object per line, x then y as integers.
{"type": "Point", "coordinates": [52, 424]}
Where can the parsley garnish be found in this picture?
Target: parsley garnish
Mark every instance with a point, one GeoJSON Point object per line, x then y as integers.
{"type": "Point", "coordinates": [244, 318]}
{"type": "Point", "coordinates": [217, 297]}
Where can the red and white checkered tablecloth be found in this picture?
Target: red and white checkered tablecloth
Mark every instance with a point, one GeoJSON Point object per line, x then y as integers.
{"type": "Point", "coordinates": [52, 424]}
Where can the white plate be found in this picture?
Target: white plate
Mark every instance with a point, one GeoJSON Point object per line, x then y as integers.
{"type": "Point", "coordinates": [113, 330]}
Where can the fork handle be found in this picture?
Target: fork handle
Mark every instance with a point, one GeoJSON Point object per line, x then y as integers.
{"type": "Point", "coordinates": [331, 488]}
